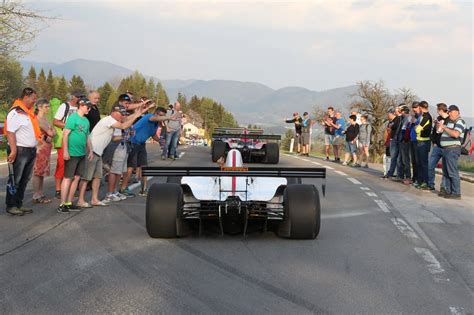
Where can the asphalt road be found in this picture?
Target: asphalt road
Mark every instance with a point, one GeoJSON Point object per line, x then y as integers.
{"type": "Point", "coordinates": [383, 248]}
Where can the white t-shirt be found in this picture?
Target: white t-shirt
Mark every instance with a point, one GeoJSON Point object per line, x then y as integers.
{"type": "Point", "coordinates": [101, 135]}
{"type": "Point", "coordinates": [62, 108]}
{"type": "Point", "coordinates": [20, 123]}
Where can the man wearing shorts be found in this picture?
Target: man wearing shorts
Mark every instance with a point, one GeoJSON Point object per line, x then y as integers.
{"type": "Point", "coordinates": [352, 133]}
{"type": "Point", "coordinates": [145, 128]}
{"type": "Point", "coordinates": [329, 130]}
{"type": "Point", "coordinates": [76, 144]}
{"type": "Point", "coordinates": [338, 140]}
{"type": "Point", "coordinates": [100, 138]}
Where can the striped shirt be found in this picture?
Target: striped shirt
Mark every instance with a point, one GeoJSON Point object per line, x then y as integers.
{"type": "Point", "coordinates": [458, 125]}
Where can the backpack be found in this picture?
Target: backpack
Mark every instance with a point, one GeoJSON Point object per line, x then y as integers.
{"type": "Point", "coordinates": [58, 138]}
{"type": "Point", "coordinates": [466, 143]}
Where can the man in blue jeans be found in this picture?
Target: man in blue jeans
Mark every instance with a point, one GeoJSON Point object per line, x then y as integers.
{"type": "Point", "coordinates": [423, 132]}
{"type": "Point", "coordinates": [173, 131]}
{"type": "Point", "coordinates": [415, 120]}
{"type": "Point", "coordinates": [395, 126]}
{"type": "Point", "coordinates": [437, 151]}
{"type": "Point", "coordinates": [451, 139]}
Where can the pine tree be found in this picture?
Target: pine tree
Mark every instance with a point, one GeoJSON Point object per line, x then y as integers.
{"type": "Point", "coordinates": [182, 100]}
{"type": "Point", "coordinates": [31, 78]}
{"type": "Point", "coordinates": [62, 89]}
{"type": "Point", "coordinates": [161, 96]}
{"type": "Point", "coordinates": [41, 84]}
{"type": "Point", "coordinates": [77, 84]}
{"type": "Point", "coordinates": [105, 92]}
{"type": "Point", "coordinates": [51, 85]}
{"type": "Point", "coordinates": [151, 89]}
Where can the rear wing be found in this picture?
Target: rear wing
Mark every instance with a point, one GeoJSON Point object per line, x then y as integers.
{"type": "Point", "coordinates": [238, 130]}
{"type": "Point", "coordinates": [203, 171]}
{"type": "Point", "coordinates": [246, 136]}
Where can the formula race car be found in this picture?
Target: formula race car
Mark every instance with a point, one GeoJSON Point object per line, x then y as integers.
{"type": "Point", "coordinates": [238, 199]}
{"type": "Point", "coordinates": [253, 145]}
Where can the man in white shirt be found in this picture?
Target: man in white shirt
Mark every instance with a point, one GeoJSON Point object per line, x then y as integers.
{"type": "Point", "coordinates": [23, 134]}
{"type": "Point", "coordinates": [100, 138]}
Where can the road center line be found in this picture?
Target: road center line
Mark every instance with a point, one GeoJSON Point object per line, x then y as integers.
{"type": "Point", "coordinates": [456, 310]}
{"type": "Point", "coordinates": [365, 188]}
{"type": "Point", "coordinates": [371, 194]}
{"type": "Point", "coordinates": [354, 181]}
{"type": "Point", "coordinates": [404, 228]}
{"type": "Point", "coordinates": [382, 205]}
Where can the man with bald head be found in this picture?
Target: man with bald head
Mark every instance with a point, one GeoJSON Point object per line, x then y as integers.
{"type": "Point", "coordinates": [94, 114]}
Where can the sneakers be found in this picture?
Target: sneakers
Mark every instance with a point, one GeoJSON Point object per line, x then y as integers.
{"type": "Point", "coordinates": [111, 197]}
{"type": "Point", "coordinates": [163, 157]}
{"type": "Point", "coordinates": [73, 208]}
{"type": "Point", "coordinates": [385, 177]}
{"type": "Point", "coordinates": [143, 193]}
{"type": "Point", "coordinates": [57, 195]}
{"type": "Point", "coordinates": [327, 158]}
{"type": "Point", "coordinates": [63, 208]}
{"type": "Point", "coordinates": [407, 181]}
{"type": "Point", "coordinates": [366, 166]}
{"type": "Point", "coordinates": [356, 165]}
{"type": "Point", "coordinates": [15, 211]}
{"type": "Point", "coordinates": [344, 164]}
{"type": "Point", "coordinates": [26, 210]}
{"type": "Point", "coordinates": [127, 192]}
{"type": "Point", "coordinates": [443, 193]}
{"type": "Point", "coordinates": [395, 179]}
{"type": "Point", "coordinates": [423, 186]}
{"type": "Point", "coordinates": [453, 196]}
{"type": "Point", "coordinates": [121, 196]}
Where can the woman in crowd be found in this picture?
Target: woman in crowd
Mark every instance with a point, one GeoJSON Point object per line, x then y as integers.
{"type": "Point", "coordinates": [43, 151]}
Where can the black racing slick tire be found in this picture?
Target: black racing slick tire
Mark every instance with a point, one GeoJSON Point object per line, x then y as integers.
{"type": "Point", "coordinates": [218, 150]}
{"type": "Point", "coordinates": [163, 207]}
{"type": "Point", "coordinates": [302, 210]}
{"type": "Point", "coordinates": [272, 153]}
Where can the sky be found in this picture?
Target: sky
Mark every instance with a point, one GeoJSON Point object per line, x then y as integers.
{"type": "Point", "coordinates": [425, 45]}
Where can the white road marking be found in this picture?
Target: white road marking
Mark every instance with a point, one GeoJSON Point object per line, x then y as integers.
{"type": "Point", "coordinates": [316, 163]}
{"type": "Point", "coordinates": [343, 215]}
{"type": "Point", "coordinates": [329, 167]}
{"type": "Point", "coordinates": [341, 173]}
{"type": "Point", "coordinates": [305, 160]}
{"type": "Point", "coordinates": [182, 154]}
{"type": "Point", "coordinates": [434, 267]}
{"type": "Point", "coordinates": [456, 310]}
{"type": "Point", "coordinates": [382, 205]}
{"type": "Point", "coordinates": [354, 181]}
{"type": "Point", "coordinates": [371, 194]}
{"type": "Point", "coordinates": [365, 188]}
{"type": "Point", "coordinates": [404, 228]}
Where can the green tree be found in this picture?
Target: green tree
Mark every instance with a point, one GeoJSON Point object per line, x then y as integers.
{"type": "Point", "coordinates": [62, 89]}
{"type": "Point", "coordinates": [135, 83]}
{"type": "Point", "coordinates": [51, 85]}
{"type": "Point", "coordinates": [161, 96]}
{"type": "Point", "coordinates": [11, 82]}
{"type": "Point", "coordinates": [41, 84]}
{"type": "Point", "coordinates": [77, 84]}
{"type": "Point", "coordinates": [105, 91]}
{"type": "Point", "coordinates": [31, 78]}
{"type": "Point", "coordinates": [151, 93]}
{"type": "Point", "coordinates": [286, 141]}
{"type": "Point", "coordinates": [111, 100]}
{"type": "Point", "coordinates": [182, 100]}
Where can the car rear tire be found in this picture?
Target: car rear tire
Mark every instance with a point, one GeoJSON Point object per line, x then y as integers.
{"type": "Point", "coordinates": [302, 210]}
{"type": "Point", "coordinates": [163, 207]}
{"type": "Point", "coordinates": [272, 153]}
{"type": "Point", "coordinates": [218, 150]}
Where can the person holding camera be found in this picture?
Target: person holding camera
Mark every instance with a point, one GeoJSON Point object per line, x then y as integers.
{"type": "Point", "coordinates": [297, 120]}
{"type": "Point", "coordinates": [352, 132]}
{"type": "Point", "coordinates": [328, 121]}
{"type": "Point", "coordinates": [43, 151]}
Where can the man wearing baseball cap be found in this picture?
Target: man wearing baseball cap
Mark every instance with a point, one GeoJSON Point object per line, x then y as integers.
{"type": "Point", "coordinates": [451, 140]}
{"type": "Point", "coordinates": [297, 120]}
{"type": "Point", "coordinates": [100, 138]}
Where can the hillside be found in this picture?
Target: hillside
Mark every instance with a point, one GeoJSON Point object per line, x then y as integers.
{"type": "Point", "coordinates": [250, 102]}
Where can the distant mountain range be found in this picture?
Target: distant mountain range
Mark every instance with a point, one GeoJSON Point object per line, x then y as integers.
{"type": "Point", "coordinates": [249, 102]}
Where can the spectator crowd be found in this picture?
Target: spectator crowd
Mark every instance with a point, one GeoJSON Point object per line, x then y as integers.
{"type": "Point", "coordinates": [415, 143]}
{"type": "Point", "coordinates": [89, 147]}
